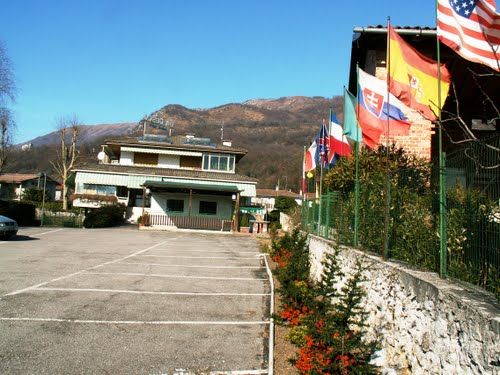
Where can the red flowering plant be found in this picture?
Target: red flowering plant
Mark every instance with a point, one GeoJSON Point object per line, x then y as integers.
{"type": "Point", "coordinates": [335, 342]}
{"type": "Point", "coordinates": [291, 254]}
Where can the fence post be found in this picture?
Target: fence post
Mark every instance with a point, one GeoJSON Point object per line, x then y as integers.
{"type": "Point", "coordinates": [356, 196]}
{"type": "Point", "coordinates": [328, 213]}
{"type": "Point", "coordinates": [443, 235]}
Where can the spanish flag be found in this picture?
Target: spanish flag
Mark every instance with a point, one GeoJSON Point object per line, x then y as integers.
{"type": "Point", "coordinates": [413, 77]}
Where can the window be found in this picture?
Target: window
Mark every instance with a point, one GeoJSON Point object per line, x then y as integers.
{"type": "Point", "coordinates": [175, 205]}
{"type": "Point", "coordinates": [99, 189]}
{"type": "Point", "coordinates": [208, 208]}
{"type": "Point", "coordinates": [214, 162]}
{"type": "Point", "coordinates": [122, 191]}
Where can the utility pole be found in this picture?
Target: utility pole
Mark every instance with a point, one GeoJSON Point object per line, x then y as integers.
{"type": "Point", "coordinates": [43, 197]}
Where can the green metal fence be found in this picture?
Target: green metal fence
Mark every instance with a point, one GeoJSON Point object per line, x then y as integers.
{"type": "Point", "coordinates": [474, 214]}
{"type": "Point", "coordinates": [412, 230]}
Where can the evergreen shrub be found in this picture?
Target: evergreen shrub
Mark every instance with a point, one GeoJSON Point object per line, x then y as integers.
{"type": "Point", "coordinates": [105, 216]}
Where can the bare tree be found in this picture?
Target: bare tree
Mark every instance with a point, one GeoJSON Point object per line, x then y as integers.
{"type": "Point", "coordinates": [67, 155]}
{"type": "Point", "coordinates": [455, 118]}
{"type": "Point", "coordinates": [7, 96]}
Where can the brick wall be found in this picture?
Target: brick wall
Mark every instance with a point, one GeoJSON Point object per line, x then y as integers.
{"type": "Point", "coordinates": [418, 141]}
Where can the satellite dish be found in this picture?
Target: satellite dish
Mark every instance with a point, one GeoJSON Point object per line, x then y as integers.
{"type": "Point", "coordinates": [101, 155]}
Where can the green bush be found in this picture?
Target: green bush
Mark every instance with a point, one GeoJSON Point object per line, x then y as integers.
{"type": "Point", "coordinates": [35, 195]}
{"type": "Point", "coordinates": [473, 238]}
{"type": "Point", "coordinates": [245, 220]}
{"type": "Point", "coordinates": [105, 216]}
{"type": "Point", "coordinates": [51, 206]}
{"type": "Point", "coordinates": [274, 219]}
{"type": "Point", "coordinates": [285, 204]}
{"type": "Point", "coordinates": [291, 253]}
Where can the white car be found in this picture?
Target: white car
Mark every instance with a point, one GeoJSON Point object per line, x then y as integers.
{"type": "Point", "coordinates": [8, 227]}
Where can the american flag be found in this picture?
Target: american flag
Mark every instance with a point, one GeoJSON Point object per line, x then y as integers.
{"type": "Point", "coordinates": [471, 28]}
{"type": "Point", "coordinates": [323, 142]}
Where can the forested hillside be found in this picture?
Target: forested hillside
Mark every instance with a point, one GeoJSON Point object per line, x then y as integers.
{"type": "Point", "coordinates": [273, 131]}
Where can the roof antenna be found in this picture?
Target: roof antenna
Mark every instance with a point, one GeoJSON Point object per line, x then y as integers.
{"type": "Point", "coordinates": [169, 125]}
{"type": "Point", "coordinates": [221, 130]}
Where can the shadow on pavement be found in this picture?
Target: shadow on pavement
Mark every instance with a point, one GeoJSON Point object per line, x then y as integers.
{"type": "Point", "coordinates": [22, 238]}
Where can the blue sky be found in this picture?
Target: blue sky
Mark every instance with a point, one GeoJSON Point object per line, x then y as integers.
{"type": "Point", "coordinates": [117, 60]}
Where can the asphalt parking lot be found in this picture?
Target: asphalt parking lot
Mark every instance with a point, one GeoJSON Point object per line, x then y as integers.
{"type": "Point", "coordinates": [124, 301]}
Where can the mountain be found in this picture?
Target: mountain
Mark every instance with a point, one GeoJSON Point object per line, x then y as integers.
{"type": "Point", "coordinates": [88, 133]}
{"type": "Point", "coordinates": [274, 131]}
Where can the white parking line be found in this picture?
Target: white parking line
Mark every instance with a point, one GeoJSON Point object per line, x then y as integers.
{"type": "Point", "coordinates": [190, 266]}
{"type": "Point", "coordinates": [174, 276]}
{"type": "Point", "coordinates": [188, 257]}
{"type": "Point", "coordinates": [240, 372]}
{"type": "Point", "coordinates": [51, 231]}
{"type": "Point", "coordinates": [271, 320]}
{"type": "Point", "coordinates": [209, 252]}
{"type": "Point", "coordinates": [36, 234]}
{"type": "Point", "coordinates": [146, 292]}
{"type": "Point", "coordinates": [136, 322]}
{"type": "Point", "coordinates": [81, 271]}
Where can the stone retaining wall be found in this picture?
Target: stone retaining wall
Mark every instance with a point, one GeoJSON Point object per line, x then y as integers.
{"type": "Point", "coordinates": [425, 325]}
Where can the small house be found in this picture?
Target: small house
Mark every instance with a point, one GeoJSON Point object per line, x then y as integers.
{"type": "Point", "coordinates": [13, 185]}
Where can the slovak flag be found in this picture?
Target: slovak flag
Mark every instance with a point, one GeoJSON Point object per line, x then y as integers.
{"type": "Point", "coordinates": [379, 111]}
{"type": "Point", "coordinates": [338, 141]}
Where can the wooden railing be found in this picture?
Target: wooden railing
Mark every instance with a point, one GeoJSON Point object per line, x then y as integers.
{"type": "Point", "coordinates": [189, 222]}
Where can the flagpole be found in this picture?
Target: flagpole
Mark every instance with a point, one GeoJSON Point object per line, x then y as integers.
{"type": "Point", "coordinates": [355, 239]}
{"type": "Point", "coordinates": [388, 181]}
{"type": "Point", "coordinates": [303, 181]}
{"type": "Point", "coordinates": [443, 235]}
{"type": "Point", "coordinates": [320, 192]}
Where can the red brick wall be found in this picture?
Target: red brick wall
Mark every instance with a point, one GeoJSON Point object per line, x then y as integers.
{"type": "Point", "coordinates": [418, 141]}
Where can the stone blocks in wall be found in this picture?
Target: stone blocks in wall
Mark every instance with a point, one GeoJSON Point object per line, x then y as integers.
{"type": "Point", "coordinates": [425, 325]}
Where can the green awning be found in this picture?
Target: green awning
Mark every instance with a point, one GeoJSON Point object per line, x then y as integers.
{"type": "Point", "coordinates": [227, 188]}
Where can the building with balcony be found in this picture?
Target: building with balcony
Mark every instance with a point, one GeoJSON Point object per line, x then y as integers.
{"type": "Point", "coordinates": [178, 182]}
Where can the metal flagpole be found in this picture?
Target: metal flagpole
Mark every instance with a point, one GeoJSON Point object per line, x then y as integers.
{"type": "Point", "coordinates": [443, 235]}
{"type": "Point", "coordinates": [321, 178]}
{"type": "Point", "coordinates": [388, 181]}
{"type": "Point", "coordinates": [320, 200]}
{"type": "Point", "coordinates": [356, 182]}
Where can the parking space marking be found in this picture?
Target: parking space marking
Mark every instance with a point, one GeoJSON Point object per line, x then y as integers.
{"type": "Point", "coordinates": [138, 322]}
{"type": "Point", "coordinates": [264, 323]}
{"type": "Point", "coordinates": [191, 266]}
{"type": "Point", "coordinates": [42, 289]}
{"type": "Point", "coordinates": [188, 257]}
{"type": "Point", "coordinates": [33, 287]}
{"type": "Point", "coordinates": [271, 319]}
{"type": "Point", "coordinates": [210, 252]}
{"type": "Point", "coordinates": [174, 276]}
{"type": "Point", "coordinates": [44, 233]}
{"type": "Point", "coordinates": [36, 234]}
{"type": "Point", "coordinates": [240, 372]}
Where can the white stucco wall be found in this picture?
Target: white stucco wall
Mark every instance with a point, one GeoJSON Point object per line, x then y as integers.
{"type": "Point", "coordinates": [169, 161]}
{"type": "Point", "coordinates": [126, 158]}
{"type": "Point", "coordinates": [159, 203]}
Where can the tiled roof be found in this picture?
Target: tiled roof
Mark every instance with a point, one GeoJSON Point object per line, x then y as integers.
{"type": "Point", "coordinates": [276, 193]}
{"type": "Point", "coordinates": [20, 177]}
{"type": "Point", "coordinates": [401, 27]}
{"type": "Point", "coordinates": [166, 172]}
{"type": "Point", "coordinates": [163, 145]}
